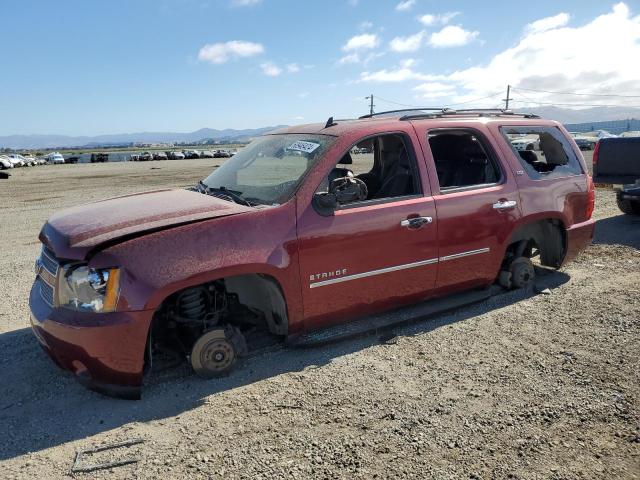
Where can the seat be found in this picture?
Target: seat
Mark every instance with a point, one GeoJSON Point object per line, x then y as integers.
{"type": "Point", "coordinates": [399, 178]}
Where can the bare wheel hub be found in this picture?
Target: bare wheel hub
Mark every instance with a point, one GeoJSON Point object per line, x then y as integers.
{"type": "Point", "coordinates": [522, 272]}
{"type": "Point", "coordinates": [214, 353]}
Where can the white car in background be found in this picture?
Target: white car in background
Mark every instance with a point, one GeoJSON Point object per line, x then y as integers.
{"type": "Point", "coordinates": [54, 158]}
{"type": "Point", "coordinates": [18, 160]}
{"type": "Point", "coordinates": [526, 143]}
{"type": "Point", "coordinates": [5, 163]}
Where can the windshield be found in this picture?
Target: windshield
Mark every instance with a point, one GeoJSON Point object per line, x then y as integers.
{"type": "Point", "coordinates": [269, 169]}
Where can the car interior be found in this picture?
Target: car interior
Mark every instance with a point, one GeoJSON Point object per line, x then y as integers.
{"type": "Point", "coordinates": [386, 168]}
{"type": "Point", "coordinates": [549, 155]}
{"type": "Point", "coordinates": [461, 160]}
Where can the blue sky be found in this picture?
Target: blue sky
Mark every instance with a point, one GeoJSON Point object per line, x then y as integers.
{"type": "Point", "coordinates": [92, 67]}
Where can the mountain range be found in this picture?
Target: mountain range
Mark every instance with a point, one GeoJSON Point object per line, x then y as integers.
{"type": "Point", "coordinates": [60, 141]}
{"type": "Point", "coordinates": [564, 115]}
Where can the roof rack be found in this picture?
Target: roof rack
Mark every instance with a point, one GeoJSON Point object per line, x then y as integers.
{"type": "Point", "coordinates": [371, 115]}
{"type": "Point", "coordinates": [479, 112]}
{"type": "Point", "coordinates": [435, 112]}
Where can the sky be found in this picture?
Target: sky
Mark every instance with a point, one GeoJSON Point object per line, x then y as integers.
{"type": "Point", "coordinates": [79, 67]}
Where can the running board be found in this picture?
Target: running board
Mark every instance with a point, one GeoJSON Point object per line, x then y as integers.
{"type": "Point", "coordinates": [391, 318]}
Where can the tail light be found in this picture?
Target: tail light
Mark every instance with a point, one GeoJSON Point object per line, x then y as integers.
{"type": "Point", "coordinates": [591, 195]}
{"type": "Point", "coordinates": [596, 153]}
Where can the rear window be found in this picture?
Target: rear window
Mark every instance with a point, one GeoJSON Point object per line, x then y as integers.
{"type": "Point", "coordinates": [544, 152]}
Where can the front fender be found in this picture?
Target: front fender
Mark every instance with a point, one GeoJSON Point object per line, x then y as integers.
{"type": "Point", "coordinates": [158, 264]}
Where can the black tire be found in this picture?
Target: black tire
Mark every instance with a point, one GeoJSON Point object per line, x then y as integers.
{"type": "Point", "coordinates": [522, 273]}
{"type": "Point", "coordinates": [627, 206]}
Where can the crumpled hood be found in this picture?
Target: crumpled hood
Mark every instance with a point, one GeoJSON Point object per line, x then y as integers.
{"type": "Point", "coordinates": [73, 232]}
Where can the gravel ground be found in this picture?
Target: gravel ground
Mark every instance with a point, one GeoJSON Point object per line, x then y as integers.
{"type": "Point", "coordinates": [518, 386]}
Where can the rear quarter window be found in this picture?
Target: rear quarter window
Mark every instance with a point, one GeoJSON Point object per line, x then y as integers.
{"type": "Point", "coordinates": [543, 152]}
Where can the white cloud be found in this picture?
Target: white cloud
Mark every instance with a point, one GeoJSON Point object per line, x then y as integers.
{"type": "Point", "coordinates": [244, 3]}
{"type": "Point", "coordinates": [222, 52]}
{"type": "Point", "coordinates": [366, 25]}
{"type": "Point", "coordinates": [350, 58]}
{"type": "Point", "coordinates": [399, 74]}
{"type": "Point", "coordinates": [548, 23]}
{"type": "Point", "coordinates": [595, 57]}
{"type": "Point", "coordinates": [293, 68]}
{"type": "Point", "coordinates": [405, 5]}
{"type": "Point", "coordinates": [451, 36]}
{"type": "Point", "coordinates": [270, 69]}
{"type": "Point", "coordinates": [407, 44]}
{"type": "Point", "coordinates": [361, 42]}
{"type": "Point", "coordinates": [437, 19]}
{"type": "Point", "coordinates": [435, 89]}
{"type": "Point", "coordinates": [303, 94]}
{"type": "Point", "coordinates": [352, 3]}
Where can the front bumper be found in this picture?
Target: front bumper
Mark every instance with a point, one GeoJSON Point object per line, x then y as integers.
{"type": "Point", "coordinates": [104, 351]}
{"type": "Point", "coordinates": [579, 237]}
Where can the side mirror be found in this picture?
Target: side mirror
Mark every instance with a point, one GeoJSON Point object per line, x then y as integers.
{"type": "Point", "coordinates": [325, 201]}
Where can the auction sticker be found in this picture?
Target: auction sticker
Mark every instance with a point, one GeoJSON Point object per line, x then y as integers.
{"type": "Point", "coordinates": [302, 146]}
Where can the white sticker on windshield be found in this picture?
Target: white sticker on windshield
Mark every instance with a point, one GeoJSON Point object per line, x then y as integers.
{"type": "Point", "coordinates": [301, 146]}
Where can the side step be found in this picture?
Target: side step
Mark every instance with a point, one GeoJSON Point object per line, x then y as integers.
{"type": "Point", "coordinates": [391, 318]}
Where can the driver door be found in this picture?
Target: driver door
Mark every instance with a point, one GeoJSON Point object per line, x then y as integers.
{"type": "Point", "coordinates": [372, 254]}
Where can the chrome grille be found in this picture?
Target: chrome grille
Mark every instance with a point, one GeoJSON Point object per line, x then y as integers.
{"type": "Point", "coordinates": [47, 275]}
{"type": "Point", "coordinates": [46, 291]}
{"type": "Point", "coordinates": [48, 261]}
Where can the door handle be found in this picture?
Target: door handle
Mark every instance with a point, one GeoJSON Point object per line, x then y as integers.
{"type": "Point", "coordinates": [415, 222]}
{"type": "Point", "coordinates": [504, 205]}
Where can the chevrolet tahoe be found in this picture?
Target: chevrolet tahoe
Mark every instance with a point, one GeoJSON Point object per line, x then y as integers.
{"type": "Point", "coordinates": [295, 238]}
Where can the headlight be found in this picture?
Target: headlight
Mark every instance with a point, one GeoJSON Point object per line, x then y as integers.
{"type": "Point", "coordinates": [89, 289]}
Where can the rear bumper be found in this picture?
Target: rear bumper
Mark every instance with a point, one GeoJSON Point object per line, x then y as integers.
{"type": "Point", "coordinates": [105, 351]}
{"type": "Point", "coordinates": [579, 237]}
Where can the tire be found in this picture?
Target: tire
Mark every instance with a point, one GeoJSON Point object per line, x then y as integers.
{"type": "Point", "coordinates": [627, 206]}
{"type": "Point", "coordinates": [522, 273]}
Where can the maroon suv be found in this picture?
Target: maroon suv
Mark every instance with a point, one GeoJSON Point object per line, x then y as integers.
{"type": "Point", "coordinates": [309, 234]}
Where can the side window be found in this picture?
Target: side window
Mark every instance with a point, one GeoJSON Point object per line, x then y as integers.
{"type": "Point", "coordinates": [462, 160]}
{"type": "Point", "coordinates": [384, 164]}
{"type": "Point", "coordinates": [544, 152]}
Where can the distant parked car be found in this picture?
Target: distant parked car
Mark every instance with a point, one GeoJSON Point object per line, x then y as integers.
{"type": "Point", "coordinates": [221, 154]}
{"type": "Point", "coordinates": [175, 155]}
{"type": "Point", "coordinates": [54, 158]}
{"type": "Point", "coordinates": [616, 161]}
{"type": "Point", "coordinates": [71, 158]}
{"type": "Point", "coordinates": [30, 160]}
{"type": "Point", "coordinates": [633, 133]}
{"type": "Point", "coordinates": [191, 154]}
{"type": "Point", "coordinates": [5, 163]}
{"type": "Point", "coordinates": [588, 140]}
{"type": "Point", "coordinates": [160, 156]}
{"type": "Point", "coordinates": [206, 154]}
{"type": "Point", "coordinates": [521, 144]}
{"type": "Point", "coordinates": [145, 157]}
{"type": "Point", "coordinates": [18, 160]}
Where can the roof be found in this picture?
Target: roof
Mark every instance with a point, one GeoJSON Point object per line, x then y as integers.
{"type": "Point", "coordinates": [391, 118]}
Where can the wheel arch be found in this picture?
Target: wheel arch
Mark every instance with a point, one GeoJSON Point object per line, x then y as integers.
{"type": "Point", "coordinates": [548, 235]}
{"type": "Point", "coordinates": [259, 290]}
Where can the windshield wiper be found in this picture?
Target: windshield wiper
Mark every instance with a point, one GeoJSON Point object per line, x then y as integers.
{"type": "Point", "coordinates": [224, 193]}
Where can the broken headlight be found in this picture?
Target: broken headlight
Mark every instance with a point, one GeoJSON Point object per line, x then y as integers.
{"type": "Point", "coordinates": [89, 289]}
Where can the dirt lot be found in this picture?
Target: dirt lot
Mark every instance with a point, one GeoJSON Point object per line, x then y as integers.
{"type": "Point", "coordinates": [519, 386]}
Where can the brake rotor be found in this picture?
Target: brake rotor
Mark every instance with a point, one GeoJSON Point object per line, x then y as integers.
{"type": "Point", "coordinates": [214, 354]}
{"type": "Point", "coordinates": [522, 272]}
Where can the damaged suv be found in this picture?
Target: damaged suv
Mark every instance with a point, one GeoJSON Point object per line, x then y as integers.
{"type": "Point", "coordinates": [304, 238]}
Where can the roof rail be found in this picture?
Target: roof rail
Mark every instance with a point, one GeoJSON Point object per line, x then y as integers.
{"type": "Point", "coordinates": [480, 112]}
{"type": "Point", "coordinates": [416, 109]}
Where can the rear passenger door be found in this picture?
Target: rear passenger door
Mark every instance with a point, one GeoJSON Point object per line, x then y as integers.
{"type": "Point", "coordinates": [476, 201]}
